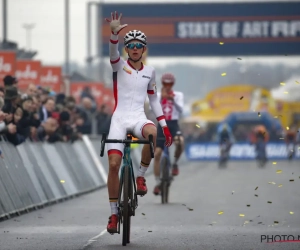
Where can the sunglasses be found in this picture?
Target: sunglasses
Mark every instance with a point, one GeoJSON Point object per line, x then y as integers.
{"type": "Point", "coordinates": [137, 45]}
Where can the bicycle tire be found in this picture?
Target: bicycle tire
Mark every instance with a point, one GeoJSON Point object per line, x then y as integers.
{"type": "Point", "coordinates": [130, 205]}
{"type": "Point", "coordinates": [125, 205]}
{"type": "Point", "coordinates": [164, 183]}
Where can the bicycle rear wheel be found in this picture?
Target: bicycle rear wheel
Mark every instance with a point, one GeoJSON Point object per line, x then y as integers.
{"type": "Point", "coordinates": [126, 216]}
{"type": "Point", "coordinates": [165, 180]}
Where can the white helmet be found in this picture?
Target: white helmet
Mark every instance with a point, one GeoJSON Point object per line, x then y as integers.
{"type": "Point", "coordinates": [135, 35]}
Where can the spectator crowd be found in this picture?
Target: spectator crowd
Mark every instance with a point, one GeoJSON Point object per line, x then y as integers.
{"type": "Point", "coordinates": [39, 114]}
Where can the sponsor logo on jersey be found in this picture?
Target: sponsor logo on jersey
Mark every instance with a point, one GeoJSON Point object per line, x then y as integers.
{"type": "Point", "coordinates": [128, 71]}
{"type": "Point", "coordinates": [146, 77]}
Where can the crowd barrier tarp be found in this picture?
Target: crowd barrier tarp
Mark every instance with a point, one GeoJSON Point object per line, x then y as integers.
{"type": "Point", "coordinates": [68, 162]}
{"type": "Point", "coordinates": [37, 152]}
{"type": "Point", "coordinates": [37, 165]}
{"type": "Point", "coordinates": [62, 176]}
{"type": "Point", "coordinates": [24, 181]}
{"type": "Point", "coordinates": [86, 163]}
{"type": "Point", "coordinates": [83, 178]}
{"type": "Point", "coordinates": [7, 180]}
{"type": "Point", "coordinates": [96, 142]}
{"type": "Point", "coordinates": [6, 203]}
{"type": "Point", "coordinates": [238, 151]}
{"type": "Point", "coordinates": [36, 174]}
{"type": "Point", "coordinates": [33, 176]}
{"type": "Point", "coordinates": [91, 152]}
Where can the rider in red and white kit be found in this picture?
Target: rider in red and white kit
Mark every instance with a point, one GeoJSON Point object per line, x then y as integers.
{"type": "Point", "coordinates": [172, 103]}
{"type": "Point", "coordinates": [132, 81]}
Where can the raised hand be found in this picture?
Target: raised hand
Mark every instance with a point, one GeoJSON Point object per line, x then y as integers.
{"type": "Point", "coordinates": [115, 23]}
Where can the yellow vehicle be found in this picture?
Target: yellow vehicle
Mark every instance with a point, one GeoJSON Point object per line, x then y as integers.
{"type": "Point", "coordinates": [244, 98]}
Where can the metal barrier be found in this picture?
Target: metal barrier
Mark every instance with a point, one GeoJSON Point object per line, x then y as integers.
{"type": "Point", "coordinates": [36, 174]}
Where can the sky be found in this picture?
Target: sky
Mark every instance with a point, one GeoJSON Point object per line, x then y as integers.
{"type": "Point", "coordinates": [47, 37]}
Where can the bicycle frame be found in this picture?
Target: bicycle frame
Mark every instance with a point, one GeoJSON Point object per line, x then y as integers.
{"type": "Point", "coordinates": [127, 162]}
{"type": "Point", "coordinates": [166, 154]}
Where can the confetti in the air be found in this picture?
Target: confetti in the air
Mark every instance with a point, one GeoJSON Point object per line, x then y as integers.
{"type": "Point", "coordinates": [269, 201]}
{"type": "Point", "coordinates": [183, 204]}
{"type": "Point", "coordinates": [150, 231]}
{"type": "Point", "coordinates": [239, 58]}
{"type": "Point", "coordinates": [271, 182]}
{"type": "Point", "coordinates": [274, 162]}
{"type": "Point", "coordinates": [278, 171]}
{"type": "Point", "coordinates": [233, 191]}
{"type": "Point", "coordinates": [276, 222]}
{"type": "Point", "coordinates": [221, 212]}
{"type": "Point", "coordinates": [143, 214]}
{"type": "Point", "coordinates": [190, 209]}
{"type": "Point", "coordinates": [287, 128]}
{"type": "Point", "coordinates": [241, 97]}
{"type": "Point", "coordinates": [62, 181]}
{"type": "Point", "coordinates": [291, 179]}
{"type": "Point", "coordinates": [297, 82]}
{"type": "Point", "coordinates": [291, 212]}
{"type": "Point", "coordinates": [242, 215]}
{"type": "Point", "coordinates": [223, 74]}
{"type": "Point", "coordinates": [256, 188]}
{"type": "Point", "coordinates": [285, 92]}
{"type": "Point", "coordinates": [282, 83]}
{"type": "Point", "coordinates": [256, 195]}
{"type": "Point", "coordinates": [280, 185]}
{"type": "Point", "coordinates": [248, 205]}
{"type": "Point", "coordinates": [275, 116]}
{"type": "Point", "coordinates": [221, 43]}
{"type": "Point", "coordinates": [198, 126]}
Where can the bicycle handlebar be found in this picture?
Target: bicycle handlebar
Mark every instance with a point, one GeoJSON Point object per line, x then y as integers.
{"type": "Point", "coordinates": [104, 140]}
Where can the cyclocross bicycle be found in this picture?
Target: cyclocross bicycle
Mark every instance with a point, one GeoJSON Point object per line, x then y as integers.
{"type": "Point", "coordinates": [165, 167]}
{"type": "Point", "coordinates": [261, 156]}
{"type": "Point", "coordinates": [224, 155]}
{"type": "Point", "coordinates": [127, 203]}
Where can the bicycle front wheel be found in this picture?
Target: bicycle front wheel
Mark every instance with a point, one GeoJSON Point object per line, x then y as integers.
{"type": "Point", "coordinates": [165, 180]}
{"type": "Point", "coordinates": [126, 216]}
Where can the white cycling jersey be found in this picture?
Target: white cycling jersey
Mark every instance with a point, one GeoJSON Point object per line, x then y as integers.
{"type": "Point", "coordinates": [172, 108]}
{"type": "Point", "coordinates": [131, 87]}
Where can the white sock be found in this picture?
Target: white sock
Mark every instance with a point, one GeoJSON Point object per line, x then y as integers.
{"type": "Point", "coordinates": [157, 180]}
{"type": "Point", "coordinates": [113, 207]}
{"type": "Point", "coordinates": [142, 171]}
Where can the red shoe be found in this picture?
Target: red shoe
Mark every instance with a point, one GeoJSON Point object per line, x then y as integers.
{"type": "Point", "coordinates": [175, 170]}
{"type": "Point", "coordinates": [112, 226]}
{"type": "Point", "coordinates": [141, 188]}
{"type": "Point", "coordinates": [156, 190]}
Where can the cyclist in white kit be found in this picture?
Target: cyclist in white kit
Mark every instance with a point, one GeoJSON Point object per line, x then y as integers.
{"type": "Point", "coordinates": [132, 81]}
